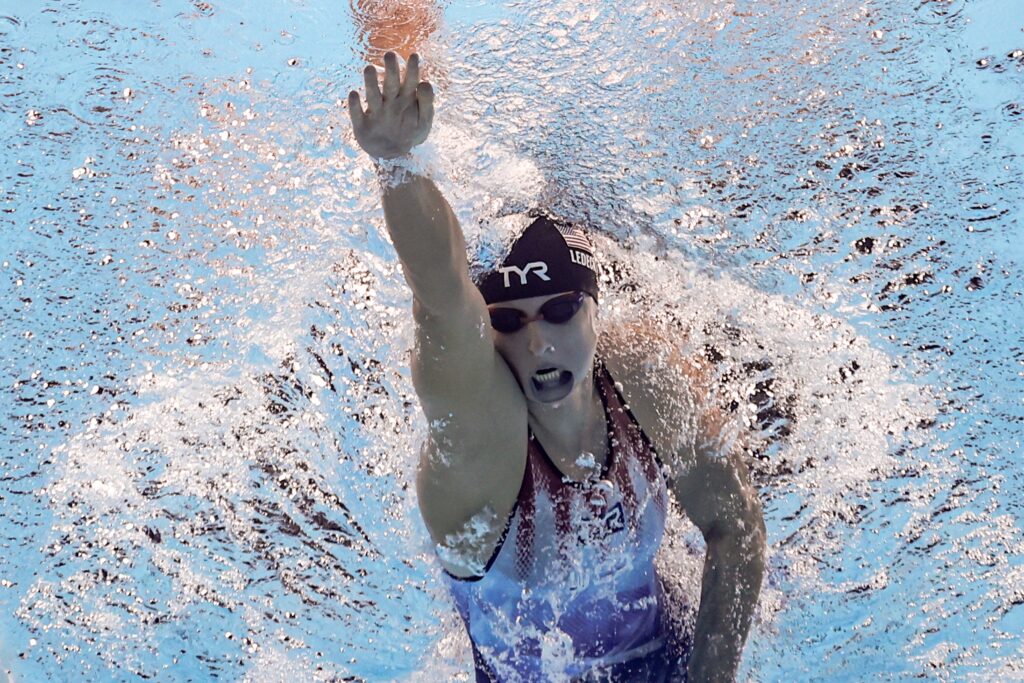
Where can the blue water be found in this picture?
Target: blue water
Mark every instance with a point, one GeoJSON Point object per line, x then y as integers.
{"type": "Point", "coordinates": [208, 425]}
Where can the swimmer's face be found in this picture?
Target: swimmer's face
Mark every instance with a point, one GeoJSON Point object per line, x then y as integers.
{"type": "Point", "coordinates": [549, 358]}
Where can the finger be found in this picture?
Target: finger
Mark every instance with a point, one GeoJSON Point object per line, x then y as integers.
{"type": "Point", "coordinates": [355, 110]}
{"type": "Point", "coordinates": [392, 79]}
{"type": "Point", "coordinates": [425, 99]}
{"type": "Point", "coordinates": [412, 76]}
{"type": "Point", "coordinates": [423, 111]}
{"type": "Point", "coordinates": [373, 97]}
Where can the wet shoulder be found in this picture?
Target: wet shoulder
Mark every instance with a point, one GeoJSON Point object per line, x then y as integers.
{"type": "Point", "coordinates": [650, 367]}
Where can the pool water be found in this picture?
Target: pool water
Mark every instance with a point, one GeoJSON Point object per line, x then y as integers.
{"type": "Point", "coordinates": [209, 429]}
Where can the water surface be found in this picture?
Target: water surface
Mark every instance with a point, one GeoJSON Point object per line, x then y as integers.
{"type": "Point", "coordinates": [208, 424]}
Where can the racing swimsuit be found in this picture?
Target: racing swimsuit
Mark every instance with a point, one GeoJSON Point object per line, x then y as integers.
{"type": "Point", "coordinates": [571, 591]}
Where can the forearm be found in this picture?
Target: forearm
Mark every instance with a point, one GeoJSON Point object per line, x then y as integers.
{"type": "Point", "coordinates": [733, 570]}
{"type": "Point", "coordinates": [427, 237]}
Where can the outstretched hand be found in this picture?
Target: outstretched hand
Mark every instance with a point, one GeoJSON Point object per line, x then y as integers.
{"type": "Point", "coordinates": [397, 119]}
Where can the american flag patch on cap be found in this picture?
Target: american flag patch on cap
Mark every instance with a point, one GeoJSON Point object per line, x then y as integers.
{"type": "Point", "coordinates": [575, 238]}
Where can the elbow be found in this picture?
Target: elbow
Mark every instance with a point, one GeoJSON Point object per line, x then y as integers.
{"type": "Point", "coordinates": [753, 533]}
{"type": "Point", "coordinates": [742, 535]}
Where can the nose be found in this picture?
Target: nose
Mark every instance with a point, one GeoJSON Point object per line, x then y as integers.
{"type": "Point", "coordinates": [537, 340]}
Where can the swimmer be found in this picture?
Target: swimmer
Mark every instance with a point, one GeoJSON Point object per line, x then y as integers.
{"type": "Point", "coordinates": [551, 452]}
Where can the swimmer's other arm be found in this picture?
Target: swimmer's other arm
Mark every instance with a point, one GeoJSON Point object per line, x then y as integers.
{"type": "Point", "coordinates": [666, 390]}
{"type": "Point", "coordinates": [712, 485]}
{"type": "Point", "coordinates": [717, 496]}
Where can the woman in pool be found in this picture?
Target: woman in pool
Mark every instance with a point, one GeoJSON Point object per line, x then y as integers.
{"type": "Point", "coordinates": [543, 481]}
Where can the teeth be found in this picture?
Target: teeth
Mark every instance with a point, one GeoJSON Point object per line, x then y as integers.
{"type": "Point", "coordinates": [548, 376]}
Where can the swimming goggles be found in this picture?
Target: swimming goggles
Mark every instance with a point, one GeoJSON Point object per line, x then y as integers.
{"type": "Point", "coordinates": [559, 311]}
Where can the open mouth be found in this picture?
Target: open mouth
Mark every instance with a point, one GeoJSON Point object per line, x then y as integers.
{"type": "Point", "coordinates": [551, 383]}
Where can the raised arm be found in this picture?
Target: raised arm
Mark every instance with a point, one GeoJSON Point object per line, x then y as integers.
{"type": "Point", "coordinates": [474, 457]}
{"type": "Point", "coordinates": [421, 224]}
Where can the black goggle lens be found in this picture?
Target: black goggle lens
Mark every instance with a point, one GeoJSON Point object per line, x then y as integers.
{"type": "Point", "coordinates": [558, 311]}
{"type": "Point", "coordinates": [506, 319]}
{"type": "Point", "coordinates": [561, 311]}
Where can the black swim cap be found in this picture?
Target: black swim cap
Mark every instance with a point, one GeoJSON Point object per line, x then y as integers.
{"type": "Point", "coordinates": [549, 257]}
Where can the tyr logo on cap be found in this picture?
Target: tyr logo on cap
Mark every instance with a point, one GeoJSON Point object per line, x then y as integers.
{"type": "Point", "coordinates": [539, 266]}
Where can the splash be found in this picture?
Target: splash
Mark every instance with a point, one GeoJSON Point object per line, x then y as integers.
{"type": "Point", "coordinates": [208, 430]}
